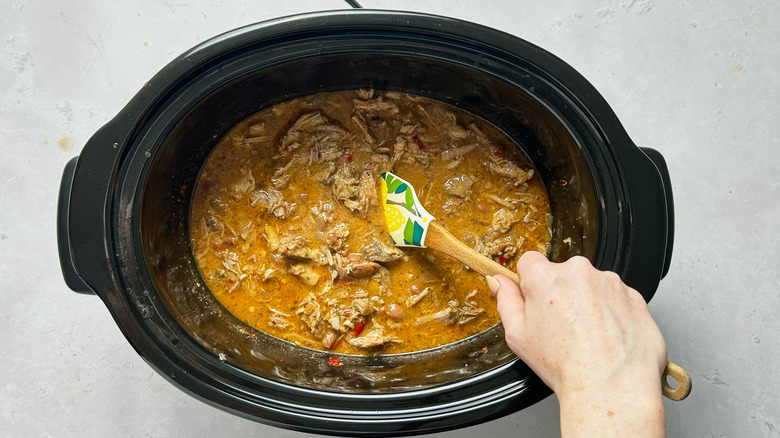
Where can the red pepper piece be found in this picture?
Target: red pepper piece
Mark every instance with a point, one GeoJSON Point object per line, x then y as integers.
{"type": "Point", "coordinates": [418, 142]}
{"type": "Point", "coordinates": [359, 328]}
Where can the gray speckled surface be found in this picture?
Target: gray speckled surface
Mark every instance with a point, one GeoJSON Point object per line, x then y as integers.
{"type": "Point", "coordinates": [696, 80]}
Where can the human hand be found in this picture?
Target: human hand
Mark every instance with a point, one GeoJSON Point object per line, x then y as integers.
{"type": "Point", "coordinates": [586, 334]}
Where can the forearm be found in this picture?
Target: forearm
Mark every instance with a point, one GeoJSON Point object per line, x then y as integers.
{"type": "Point", "coordinates": [623, 410]}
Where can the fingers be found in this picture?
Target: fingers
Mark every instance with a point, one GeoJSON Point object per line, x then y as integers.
{"type": "Point", "coordinates": [533, 268]}
{"type": "Point", "coordinates": [509, 302]}
{"type": "Point", "coordinates": [529, 260]}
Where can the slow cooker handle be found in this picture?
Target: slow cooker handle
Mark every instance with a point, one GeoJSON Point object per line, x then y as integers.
{"type": "Point", "coordinates": [72, 277]}
{"type": "Point", "coordinates": [663, 170]}
{"type": "Point", "coordinates": [82, 235]}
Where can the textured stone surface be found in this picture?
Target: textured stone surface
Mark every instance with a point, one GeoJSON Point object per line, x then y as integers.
{"type": "Point", "coordinates": [696, 80]}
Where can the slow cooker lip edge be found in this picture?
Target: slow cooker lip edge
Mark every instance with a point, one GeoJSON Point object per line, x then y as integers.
{"type": "Point", "coordinates": [127, 305]}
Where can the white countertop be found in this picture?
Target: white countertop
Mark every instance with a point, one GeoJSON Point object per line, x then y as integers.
{"type": "Point", "coordinates": [696, 80]}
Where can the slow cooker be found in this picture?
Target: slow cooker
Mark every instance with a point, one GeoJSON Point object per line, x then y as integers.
{"type": "Point", "coordinates": [123, 209]}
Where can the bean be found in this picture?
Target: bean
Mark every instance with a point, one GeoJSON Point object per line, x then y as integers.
{"type": "Point", "coordinates": [395, 312]}
{"type": "Point", "coordinates": [328, 340]}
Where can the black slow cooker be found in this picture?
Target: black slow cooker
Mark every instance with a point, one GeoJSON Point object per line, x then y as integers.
{"type": "Point", "coordinates": [122, 219]}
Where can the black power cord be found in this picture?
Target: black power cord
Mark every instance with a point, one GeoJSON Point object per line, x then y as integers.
{"type": "Point", "coordinates": [354, 4]}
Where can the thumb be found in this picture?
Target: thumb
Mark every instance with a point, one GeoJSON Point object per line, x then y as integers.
{"type": "Point", "coordinates": [509, 302]}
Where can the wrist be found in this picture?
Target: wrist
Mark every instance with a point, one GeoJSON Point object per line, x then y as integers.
{"type": "Point", "coordinates": [639, 377]}
{"type": "Point", "coordinates": [629, 403]}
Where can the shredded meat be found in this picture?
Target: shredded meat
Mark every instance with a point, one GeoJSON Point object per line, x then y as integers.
{"type": "Point", "coordinates": [363, 129]}
{"type": "Point", "coordinates": [310, 129]}
{"type": "Point", "coordinates": [310, 312]}
{"type": "Point", "coordinates": [382, 277]}
{"type": "Point", "coordinates": [503, 221]}
{"type": "Point", "coordinates": [354, 190]}
{"type": "Point", "coordinates": [296, 135]}
{"type": "Point", "coordinates": [498, 247]}
{"type": "Point", "coordinates": [408, 129]}
{"type": "Point", "coordinates": [399, 148]}
{"type": "Point", "coordinates": [459, 186]}
{"type": "Point", "coordinates": [379, 107]}
{"type": "Point", "coordinates": [362, 304]}
{"type": "Point", "coordinates": [324, 174]}
{"type": "Point", "coordinates": [273, 201]}
{"type": "Point", "coordinates": [453, 206]}
{"type": "Point", "coordinates": [415, 298]}
{"type": "Point", "coordinates": [511, 171]}
{"type": "Point", "coordinates": [346, 184]}
{"type": "Point", "coordinates": [455, 153]}
{"type": "Point", "coordinates": [354, 265]}
{"type": "Point", "coordinates": [295, 248]}
{"type": "Point", "coordinates": [453, 314]}
{"type": "Point", "coordinates": [446, 316]}
{"type": "Point", "coordinates": [380, 252]}
{"type": "Point", "coordinates": [336, 236]}
{"type": "Point", "coordinates": [365, 93]}
{"type": "Point", "coordinates": [325, 152]}
{"type": "Point", "coordinates": [278, 321]}
{"type": "Point", "coordinates": [322, 214]}
{"type": "Point", "coordinates": [368, 195]}
{"type": "Point", "coordinates": [468, 312]}
{"type": "Point", "coordinates": [380, 129]}
{"type": "Point", "coordinates": [246, 183]}
{"type": "Point", "coordinates": [455, 131]}
{"type": "Point", "coordinates": [373, 339]}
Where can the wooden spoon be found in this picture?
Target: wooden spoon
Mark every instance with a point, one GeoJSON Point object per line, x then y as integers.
{"type": "Point", "coordinates": [411, 225]}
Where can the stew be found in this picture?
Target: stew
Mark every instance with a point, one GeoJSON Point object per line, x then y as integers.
{"type": "Point", "coordinates": [288, 234]}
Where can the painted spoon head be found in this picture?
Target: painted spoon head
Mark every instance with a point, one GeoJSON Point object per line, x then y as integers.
{"type": "Point", "coordinates": [405, 217]}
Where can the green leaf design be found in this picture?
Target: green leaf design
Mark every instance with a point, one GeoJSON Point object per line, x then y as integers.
{"type": "Point", "coordinates": [418, 233]}
{"type": "Point", "coordinates": [409, 232]}
{"type": "Point", "coordinates": [394, 185]}
{"type": "Point", "coordinates": [413, 233]}
{"type": "Point", "coordinates": [409, 198]}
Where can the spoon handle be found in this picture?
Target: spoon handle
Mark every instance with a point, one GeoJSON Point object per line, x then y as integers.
{"type": "Point", "coordinates": [683, 379]}
{"type": "Point", "coordinates": [442, 240]}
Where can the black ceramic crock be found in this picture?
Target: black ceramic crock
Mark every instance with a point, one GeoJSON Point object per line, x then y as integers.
{"type": "Point", "coordinates": [122, 219]}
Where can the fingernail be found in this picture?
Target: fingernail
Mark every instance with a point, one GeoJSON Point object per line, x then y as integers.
{"type": "Point", "coordinates": [492, 284]}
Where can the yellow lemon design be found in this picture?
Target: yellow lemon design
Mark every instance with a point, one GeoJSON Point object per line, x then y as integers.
{"type": "Point", "coordinates": [393, 217]}
{"type": "Point", "coordinates": [383, 190]}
